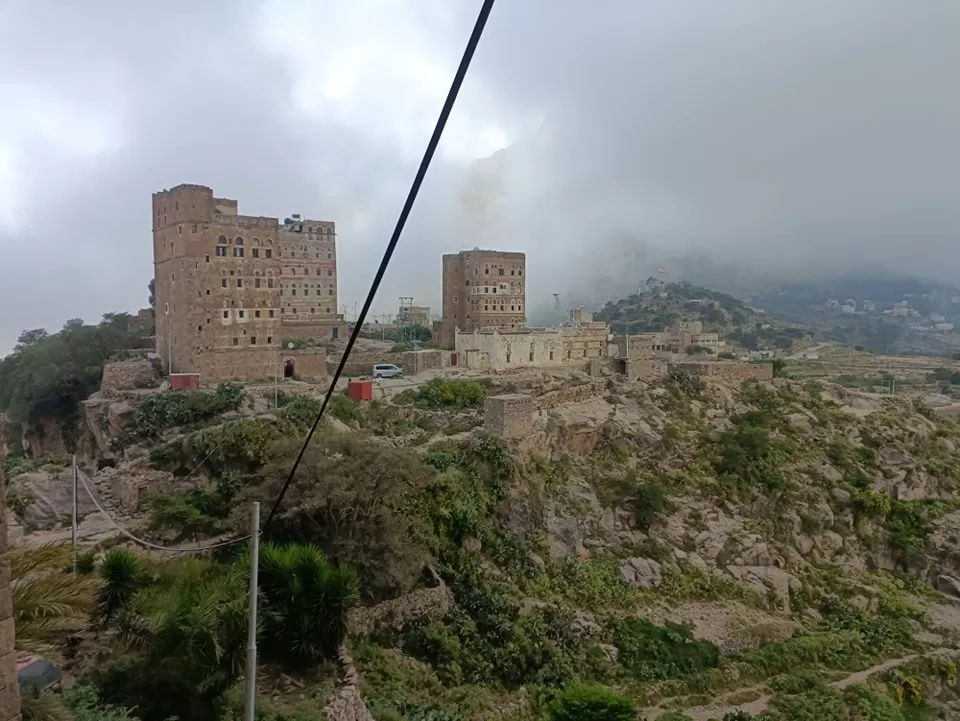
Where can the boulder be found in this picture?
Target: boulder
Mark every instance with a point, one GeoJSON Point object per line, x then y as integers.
{"type": "Point", "coordinates": [45, 498]}
{"type": "Point", "coordinates": [641, 572]}
{"type": "Point", "coordinates": [949, 585]}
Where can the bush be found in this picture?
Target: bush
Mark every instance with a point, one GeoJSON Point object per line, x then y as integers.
{"type": "Point", "coordinates": [183, 408]}
{"type": "Point", "coordinates": [652, 652]}
{"type": "Point", "coordinates": [449, 393]}
{"type": "Point", "coordinates": [581, 702]}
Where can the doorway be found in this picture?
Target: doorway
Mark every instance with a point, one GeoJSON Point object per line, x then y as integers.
{"type": "Point", "coordinates": [288, 369]}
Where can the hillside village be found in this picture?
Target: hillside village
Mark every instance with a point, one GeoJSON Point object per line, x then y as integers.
{"type": "Point", "coordinates": [686, 534]}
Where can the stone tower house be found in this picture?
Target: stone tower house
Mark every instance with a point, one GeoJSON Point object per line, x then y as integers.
{"type": "Point", "coordinates": [9, 684]}
{"type": "Point", "coordinates": [482, 289]}
{"type": "Point", "coordinates": [230, 288]}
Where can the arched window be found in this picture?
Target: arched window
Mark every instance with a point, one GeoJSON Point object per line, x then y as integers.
{"type": "Point", "coordinates": [222, 240]}
{"type": "Point", "coordinates": [256, 242]}
{"type": "Point", "coordinates": [238, 241]}
{"type": "Point", "coordinates": [267, 242]}
{"type": "Point", "coordinates": [310, 229]}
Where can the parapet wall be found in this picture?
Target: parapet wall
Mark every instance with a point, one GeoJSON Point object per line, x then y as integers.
{"type": "Point", "coordinates": [128, 375]}
{"type": "Point", "coordinates": [730, 370]}
{"type": "Point", "coordinates": [418, 361]}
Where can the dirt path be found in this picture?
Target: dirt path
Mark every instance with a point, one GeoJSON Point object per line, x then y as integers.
{"type": "Point", "coordinates": [721, 706]}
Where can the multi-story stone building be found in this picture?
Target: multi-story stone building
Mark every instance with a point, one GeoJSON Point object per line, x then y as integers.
{"type": "Point", "coordinates": [230, 289]}
{"type": "Point", "coordinates": [482, 289]}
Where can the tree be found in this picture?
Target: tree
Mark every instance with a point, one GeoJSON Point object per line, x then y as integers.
{"type": "Point", "coordinates": [49, 602]}
{"type": "Point", "coordinates": [123, 574]}
{"type": "Point", "coordinates": [352, 499]}
{"type": "Point", "coordinates": [580, 702]}
{"type": "Point", "coordinates": [29, 338]}
{"type": "Point", "coordinates": [152, 297]}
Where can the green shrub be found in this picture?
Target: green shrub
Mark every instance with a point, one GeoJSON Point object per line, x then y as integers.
{"type": "Point", "coordinates": [183, 408]}
{"type": "Point", "coordinates": [449, 393]}
{"type": "Point", "coordinates": [582, 702]}
{"type": "Point", "coordinates": [652, 652]}
{"type": "Point", "coordinates": [344, 408]}
{"type": "Point", "coordinates": [650, 502]}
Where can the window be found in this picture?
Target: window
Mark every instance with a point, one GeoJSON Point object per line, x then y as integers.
{"type": "Point", "coordinates": [208, 291]}
{"type": "Point", "coordinates": [253, 340]}
{"type": "Point", "coordinates": [551, 355]}
{"type": "Point", "coordinates": [318, 291]}
{"type": "Point", "coordinates": [486, 307]}
{"type": "Point", "coordinates": [239, 282]}
{"type": "Point", "coordinates": [222, 240]}
{"type": "Point", "coordinates": [531, 356]}
{"type": "Point", "coordinates": [330, 273]}
{"type": "Point", "coordinates": [269, 282]}
{"type": "Point", "coordinates": [256, 252]}
{"type": "Point", "coordinates": [519, 272]}
{"type": "Point", "coordinates": [226, 314]}
{"type": "Point", "coordinates": [293, 292]}
{"type": "Point", "coordinates": [313, 310]}
{"type": "Point", "coordinates": [486, 271]}
{"type": "Point", "coordinates": [512, 271]}
{"type": "Point", "coordinates": [508, 357]}
{"type": "Point", "coordinates": [256, 283]}
{"type": "Point", "coordinates": [501, 270]}
{"type": "Point", "coordinates": [221, 252]}
{"type": "Point", "coordinates": [238, 252]}
{"type": "Point", "coordinates": [236, 341]}
{"type": "Point", "coordinates": [269, 315]}
{"type": "Point", "coordinates": [294, 310]}
{"type": "Point", "coordinates": [240, 313]}
{"type": "Point", "coordinates": [238, 241]}
{"type": "Point", "coordinates": [193, 228]}
{"type": "Point", "coordinates": [256, 314]}
{"type": "Point", "coordinates": [269, 337]}
{"type": "Point", "coordinates": [269, 252]}
{"type": "Point", "coordinates": [199, 329]}
{"type": "Point", "coordinates": [223, 282]}
{"type": "Point", "coordinates": [330, 292]}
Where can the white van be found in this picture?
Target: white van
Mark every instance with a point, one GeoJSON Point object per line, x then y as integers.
{"type": "Point", "coordinates": [387, 370]}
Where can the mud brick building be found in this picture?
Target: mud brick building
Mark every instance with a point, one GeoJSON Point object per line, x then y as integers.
{"type": "Point", "coordinates": [482, 289]}
{"type": "Point", "coordinates": [231, 289]}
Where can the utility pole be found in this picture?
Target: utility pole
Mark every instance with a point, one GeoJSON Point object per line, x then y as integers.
{"type": "Point", "coordinates": [251, 679]}
{"type": "Point", "coordinates": [73, 522]}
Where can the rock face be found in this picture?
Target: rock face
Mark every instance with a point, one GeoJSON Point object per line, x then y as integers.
{"type": "Point", "coordinates": [641, 572]}
{"type": "Point", "coordinates": [45, 498]}
{"type": "Point", "coordinates": [9, 684]}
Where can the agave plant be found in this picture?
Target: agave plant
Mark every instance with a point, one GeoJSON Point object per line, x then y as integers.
{"type": "Point", "coordinates": [49, 602]}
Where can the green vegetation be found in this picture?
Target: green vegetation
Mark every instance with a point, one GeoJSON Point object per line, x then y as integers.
{"type": "Point", "coordinates": [183, 408]}
{"type": "Point", "coordinates": [652, 653]}
{"type": "Point", "coordinates": [444, 393]}
{"type": "Point", "coordinates": [591, 703]}
{"type": "Point", "coordinates": [48, 375]}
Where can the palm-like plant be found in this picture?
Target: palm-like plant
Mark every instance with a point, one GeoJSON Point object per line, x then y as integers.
{"type": "Point", "coordinates": [49, 602]}
{"type": "Point", "coordinates": [123, 574]}
{"type": "Point", "coordinates": [306, 600]}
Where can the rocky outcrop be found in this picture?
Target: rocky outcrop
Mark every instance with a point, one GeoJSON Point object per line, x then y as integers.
{"type": "Point", "coordinates": [129, 375]}
{"type": "Point", "coordinates": [641, 573]}
{"type": "Point", "coordinates": [44, 438]}
{"type": "Point", "coordinates": [44, 498]}
{"type": "Point", "coordinates": [347, 704]}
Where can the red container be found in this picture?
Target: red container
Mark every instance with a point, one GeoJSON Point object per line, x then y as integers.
{"type": "Point", "coordinates": [185, 381]}
{"type": "Point", "coordinates": [360, 390]}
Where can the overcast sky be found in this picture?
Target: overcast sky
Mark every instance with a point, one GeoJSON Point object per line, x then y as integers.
{"type": "Point", "coordinates": [768, 134]}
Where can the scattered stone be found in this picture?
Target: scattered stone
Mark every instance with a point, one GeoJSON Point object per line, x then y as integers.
{"type": "Point", "coordinates": [641, 572]}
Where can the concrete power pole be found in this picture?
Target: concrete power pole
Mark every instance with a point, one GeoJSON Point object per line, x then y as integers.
{"type": "Point", "coordinates": [250, 688]}
{"type": "Point", "coordinates": [9, 681]}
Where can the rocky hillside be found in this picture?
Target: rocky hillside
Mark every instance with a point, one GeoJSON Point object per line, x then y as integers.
{"type": "Point", "coordinates": [675, 550]}
{"type": "Point", "coordinates": [658, 308]}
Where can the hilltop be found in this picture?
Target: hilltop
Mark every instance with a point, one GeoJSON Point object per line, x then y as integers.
{"type": "Point", "coordinates": [669, 305]}
{"type": "Point", "coordinates": [686, 547]}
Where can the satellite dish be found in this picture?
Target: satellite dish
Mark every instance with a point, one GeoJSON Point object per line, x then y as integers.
{"type": "Point", "coordinates": [290, 345]}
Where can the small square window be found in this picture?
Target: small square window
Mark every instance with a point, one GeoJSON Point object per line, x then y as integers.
{"type": "Point", "coordinates": [226, 314]}
{"type": "Point", "coordinates": [256, 252]}
{"type": "Point", "coordinates": [269, 339]}
{"type": "Point", "coordinates": [199, 328]}
{"type": "Point", "coordinates": [240, 313]}
{"type": "Point", "coordinates": [269, 252]}
{"type": "Point", "coordinates": [208, 291]}
{"type": "Point", "coordinates": [313, 310]}
{"type": "Point", "coordinates": [239, 282]}
{"type": "Point", "coordinates": [223, 282]}
{"type": "Point", "coordinates": [256, 314]}
{"type": "Point", "coordinates": [269, 315]}
{"type": "Point", "coordinates": [236, 341]}
{"type": "Point", "coordinates": [256, 283]}
{"type": "Point", "coordinates": [253, 340]}
{"type": "Point", "coordinates": [269, 282]}
{"type": "Point", "coordinates": [207, 257]}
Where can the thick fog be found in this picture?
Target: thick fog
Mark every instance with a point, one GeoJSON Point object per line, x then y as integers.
{"type": "Point", "coordinates": [732, 138]}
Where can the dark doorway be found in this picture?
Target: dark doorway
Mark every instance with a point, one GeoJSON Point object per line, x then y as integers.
{"type": "Point", "coordinates": [335, 332]}
{"type": "Point", "coordinates": [288, 369]}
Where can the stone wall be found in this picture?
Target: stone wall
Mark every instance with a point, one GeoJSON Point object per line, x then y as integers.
{"type": "Point", "coordinates": [528, 348]}
{"type": "Point", "coordinates": [508, 416]}
{"type": "Point", "coordinates": [361, 364]}
{"type": "Point", "coordinates": [432, 602]}
{"type": "Point", "coordinates": [307, 364]}
{"type": "Point", "coordinates": [565, 396]}
{"type": "Point", "coordinates": [730, 370]}
{"type": "Point", "coordinates": [347, 704]}
{"type": "Point", "coordinates": [127, 375]}
{"type": "Point", "coordinates": [418, 361]}
{"type": "Point", "coordinates": [9, 684]}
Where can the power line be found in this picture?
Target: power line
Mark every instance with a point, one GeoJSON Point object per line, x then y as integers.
{"type": "Point", "coordinates": [458, 79]}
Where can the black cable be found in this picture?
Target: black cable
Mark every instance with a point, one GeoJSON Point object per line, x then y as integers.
{"type": "Point", "coordinates": [398, 229]}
